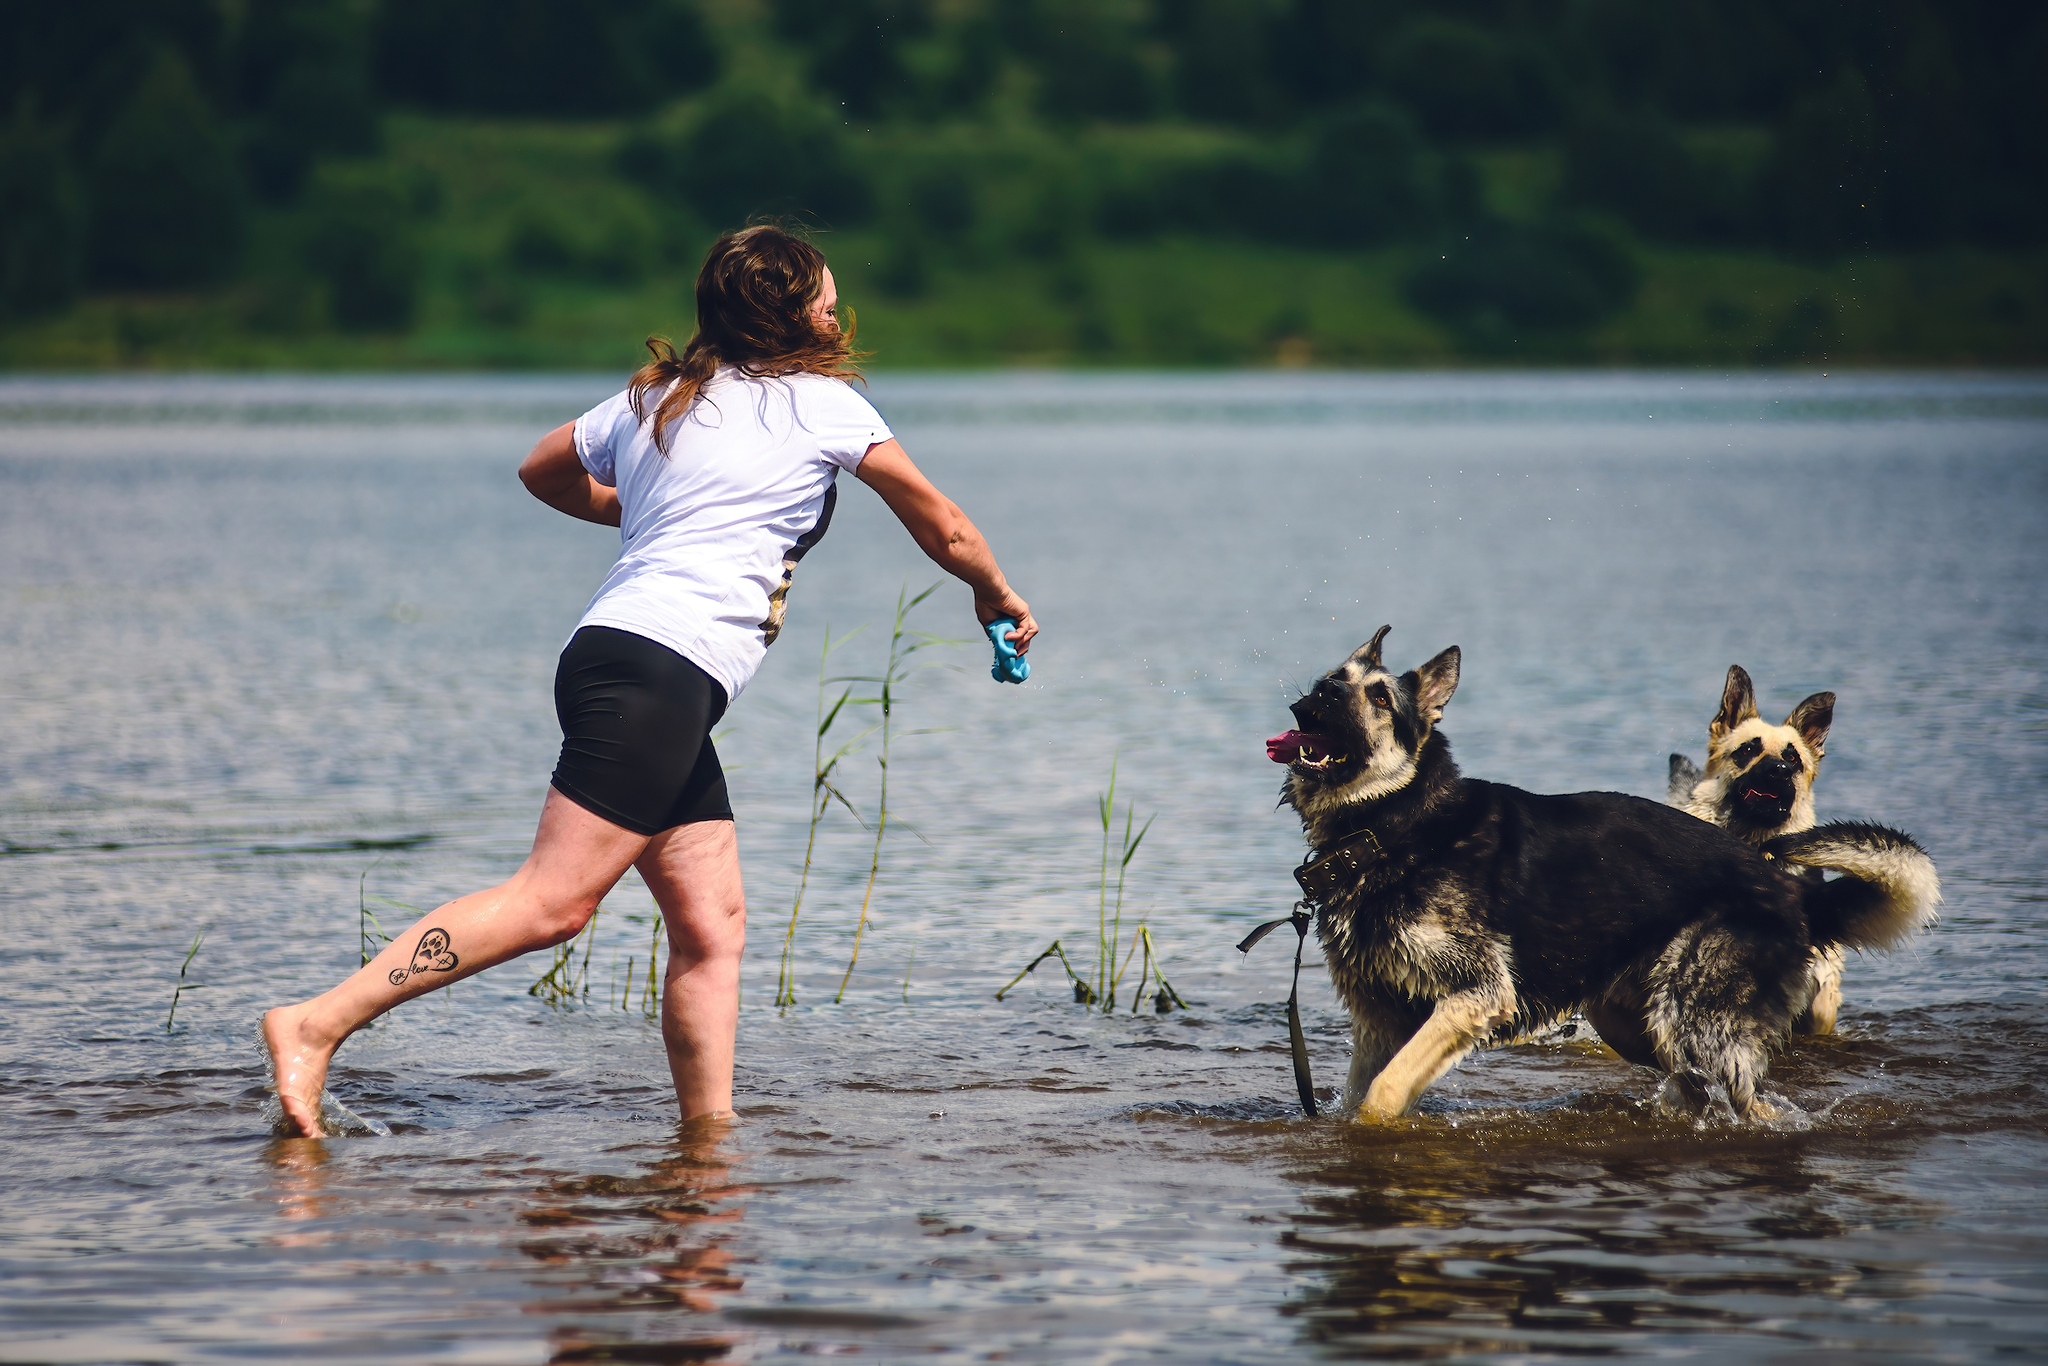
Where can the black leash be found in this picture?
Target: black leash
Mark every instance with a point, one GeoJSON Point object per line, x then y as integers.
{"type": "Point", "coordinates": [1320, 880]}
{"type": "Point", "coordinates": [1297, 1043]}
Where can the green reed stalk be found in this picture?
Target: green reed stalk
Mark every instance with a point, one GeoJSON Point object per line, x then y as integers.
{"type": "Point", "coordinates": [1083, 993]}
{"type": "Point", "coordinates": [589, 944]}
{"type": "Point", "coordinates": [181, 989]}
{"type": "Point", "coordinates": [903, 644]}
{"type": "Point", "coordinates": [1103, 947]}
{"type": "Point", "coordinates": [823, 794]}
{"type": "Point", "coordinates": [1116, 934]}
{"type": "Point", "coordinates": [1106, 980]}
{"type": "Point", "coordinates": [1109, 927]}
{"type": "Point", "coordinates": [363, 915]}
{"type": "Point", "coordinates": [1167, 997]}
{"type": "Point", "coordinates": [560, 982]}
{"type": "Point", "coordinates": [650, 995]}
{"type": "Point", "coordinates": [367, 924]}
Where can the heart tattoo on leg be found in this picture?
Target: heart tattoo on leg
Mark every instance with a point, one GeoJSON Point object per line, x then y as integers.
{"type": "Point", "coordinates": [432, 955]}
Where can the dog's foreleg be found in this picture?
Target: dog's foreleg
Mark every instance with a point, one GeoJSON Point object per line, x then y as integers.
{"type": "Point", "coordinates": [1374, 1042]}
{"type": "Point", "coordinates": [1457, 1023]}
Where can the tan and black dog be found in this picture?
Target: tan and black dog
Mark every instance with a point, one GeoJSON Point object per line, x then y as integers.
{"type": "Point", "coordinates": [1758, 785]}
{"type": "Point", "coordinates": [1455, 913]}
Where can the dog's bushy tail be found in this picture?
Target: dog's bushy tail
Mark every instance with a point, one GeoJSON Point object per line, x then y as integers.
{"type": "Point", "coordinates": [1888, 889]}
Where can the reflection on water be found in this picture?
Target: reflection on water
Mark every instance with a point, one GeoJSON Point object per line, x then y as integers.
{"type": "Point", "coordinates": [646, 1243]}
{"type": "Point", "coordinates": [299, 1190]}
{"type": "Point", "coordinates": [275, 654]}
{"type": "Point", "coordinates": [1602, 1229]}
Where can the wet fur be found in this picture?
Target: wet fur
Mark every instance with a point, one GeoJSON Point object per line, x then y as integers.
{"type": "Point", "coordinates": [1495, 911]}
{"type": "Point", "coordinates": [1757, 785]}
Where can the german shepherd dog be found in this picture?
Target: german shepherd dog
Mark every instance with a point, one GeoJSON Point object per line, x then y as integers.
{"type": "Point", "coordinates": [1455, 913]}
{"type": "Point", "coordinates": [1758, 785]}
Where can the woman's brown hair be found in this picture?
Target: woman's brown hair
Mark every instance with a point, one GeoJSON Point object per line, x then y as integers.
{"type": "Point", "coordinates": [754, 298]}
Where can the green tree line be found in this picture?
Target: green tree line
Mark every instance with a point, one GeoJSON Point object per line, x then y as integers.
{"type": "Point", "coordinates": [183, 145]}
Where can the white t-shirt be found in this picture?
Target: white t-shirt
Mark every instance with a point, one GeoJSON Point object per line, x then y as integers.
{"type": "Point", "coordinates": [711, 531]}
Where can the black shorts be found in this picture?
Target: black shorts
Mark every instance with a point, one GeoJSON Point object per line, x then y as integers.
{"type": "Point", "coordinates": [636, 733]}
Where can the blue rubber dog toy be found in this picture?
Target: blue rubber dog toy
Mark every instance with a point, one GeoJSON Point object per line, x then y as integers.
{"type": "Point", "coordinates": [1010, 667]}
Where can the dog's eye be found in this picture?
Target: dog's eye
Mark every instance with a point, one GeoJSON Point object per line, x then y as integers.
{"type": "Point", "coordinates": [1791, 756]}
{"type": "Point", "coordinates": [1379, 699]}
{"type": "Point", "coordinates": [1748, 750]}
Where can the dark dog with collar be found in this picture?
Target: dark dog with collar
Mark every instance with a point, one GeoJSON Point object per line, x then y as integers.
{"type": "Point", "coordinates": [1457, 913]}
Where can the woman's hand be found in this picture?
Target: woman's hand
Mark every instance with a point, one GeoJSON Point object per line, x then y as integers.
{"type": "Point", "coordinates": [1016, 609]}
{"type": "Point", "coordinates": [553, 474]}
{"type": "Point", "coordinates": [943, 532]}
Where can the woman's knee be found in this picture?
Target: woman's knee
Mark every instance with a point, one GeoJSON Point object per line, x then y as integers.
{"type": "Point", "coordinates": [558, 922]}
{"type": "Point", "coordinates": [707, 935]}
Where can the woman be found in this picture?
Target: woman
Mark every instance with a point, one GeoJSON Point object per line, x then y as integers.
{"type": "Point", "coordinates": [719, 468]}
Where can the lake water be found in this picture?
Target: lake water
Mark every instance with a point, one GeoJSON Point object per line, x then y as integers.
{"type": "Point", "coordinates": [275, 652]}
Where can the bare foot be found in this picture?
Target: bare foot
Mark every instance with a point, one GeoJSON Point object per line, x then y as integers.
{"type": "Point", "coordinates": [298, 1067]}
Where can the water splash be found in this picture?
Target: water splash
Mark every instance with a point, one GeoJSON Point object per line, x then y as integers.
{"type": "Point", "coordinates": [336, 1119]}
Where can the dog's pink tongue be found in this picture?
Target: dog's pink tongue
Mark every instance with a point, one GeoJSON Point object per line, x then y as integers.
{"type": "Point", "coordinates": [1285, 749]}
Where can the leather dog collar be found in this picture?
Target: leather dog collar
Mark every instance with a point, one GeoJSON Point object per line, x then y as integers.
{"type": "Point", "coordinates": [1321, 878]}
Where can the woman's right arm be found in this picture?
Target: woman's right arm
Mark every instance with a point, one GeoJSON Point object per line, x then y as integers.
{"type": "Point", "coordinates": [553, 474]}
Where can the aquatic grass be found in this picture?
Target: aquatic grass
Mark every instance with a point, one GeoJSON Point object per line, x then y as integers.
{"type": "Point", "coordinates": [1083, 993]}
{"type": "Point", "coordinates": [1108, 933]}
{"type": "Point", "coordinates": [371, 936]}
{"type": "Point", "coordinates": [565, 981]}
{"type": "Point", "coordinates": [650, 993]}
{"type": "Point", "coordinates": [823, 794]}
{"type": "Point", "coordinates": [1102, 986]}
{"type": "Point", "coordinates": [903, 645]}
{"type": "Point", "coordinates": [367, 923]}
{"type": "Point", "coordinates": [1166, 997]}
{"type": "Point", "coordinates": [182, 986]}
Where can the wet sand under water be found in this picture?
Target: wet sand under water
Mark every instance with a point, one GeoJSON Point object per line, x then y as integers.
{"type": "Point", "coordinates": [270, 667]}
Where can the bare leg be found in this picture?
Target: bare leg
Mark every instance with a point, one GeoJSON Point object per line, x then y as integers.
{"type": "Point", "coordinates": [576, 858]}
{"type": "Point", "coordinates": [694, 872]}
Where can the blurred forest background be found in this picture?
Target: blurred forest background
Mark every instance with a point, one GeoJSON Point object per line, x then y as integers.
{"type": "Point", "coordinates": [455, 183]}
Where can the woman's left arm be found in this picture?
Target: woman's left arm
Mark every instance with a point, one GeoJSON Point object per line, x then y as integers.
{"type": "Point", "coordinates": [553, 474]}
{"type": "Point", "coordinates": [943, 532]}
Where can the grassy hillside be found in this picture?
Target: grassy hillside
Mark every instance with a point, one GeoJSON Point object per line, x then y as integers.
{"type": "Point", "coordinates": [534, 251]}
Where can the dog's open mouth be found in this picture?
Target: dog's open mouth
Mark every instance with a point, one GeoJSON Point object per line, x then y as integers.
{"type": "Point", "coordinates": [1305, 749]}
{"type": "Point", "coordinates": [1764, 799]}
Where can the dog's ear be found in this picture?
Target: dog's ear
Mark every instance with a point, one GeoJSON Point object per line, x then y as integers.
{"type": "Point", "coordinates": [1738, 703]}
{"type": "Point", "coordinates": [1811, 719]}
{"type": "Point", "coordinates": [1434, 684]}
{"type": "Point", "coordinates": [1369, 653]}
{"type": "Point", "coordinates": [1683, 778]}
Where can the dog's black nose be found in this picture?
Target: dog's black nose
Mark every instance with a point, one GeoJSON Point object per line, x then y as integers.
{"type": "Point", "coordinates": [1772, 767]}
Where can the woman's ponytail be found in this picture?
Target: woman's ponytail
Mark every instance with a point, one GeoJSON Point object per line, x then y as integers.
{"type": "Point", "coordinates": [677, 379]}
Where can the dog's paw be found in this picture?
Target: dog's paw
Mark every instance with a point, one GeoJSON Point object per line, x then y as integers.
{"type": "Point", "coordinates": [1379, 1108]}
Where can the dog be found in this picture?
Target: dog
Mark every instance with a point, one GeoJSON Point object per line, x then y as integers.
{"type": "Point", "coordinates": [1455, 913]}
{"type": "Point", "coordinates": [1758, 785]}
